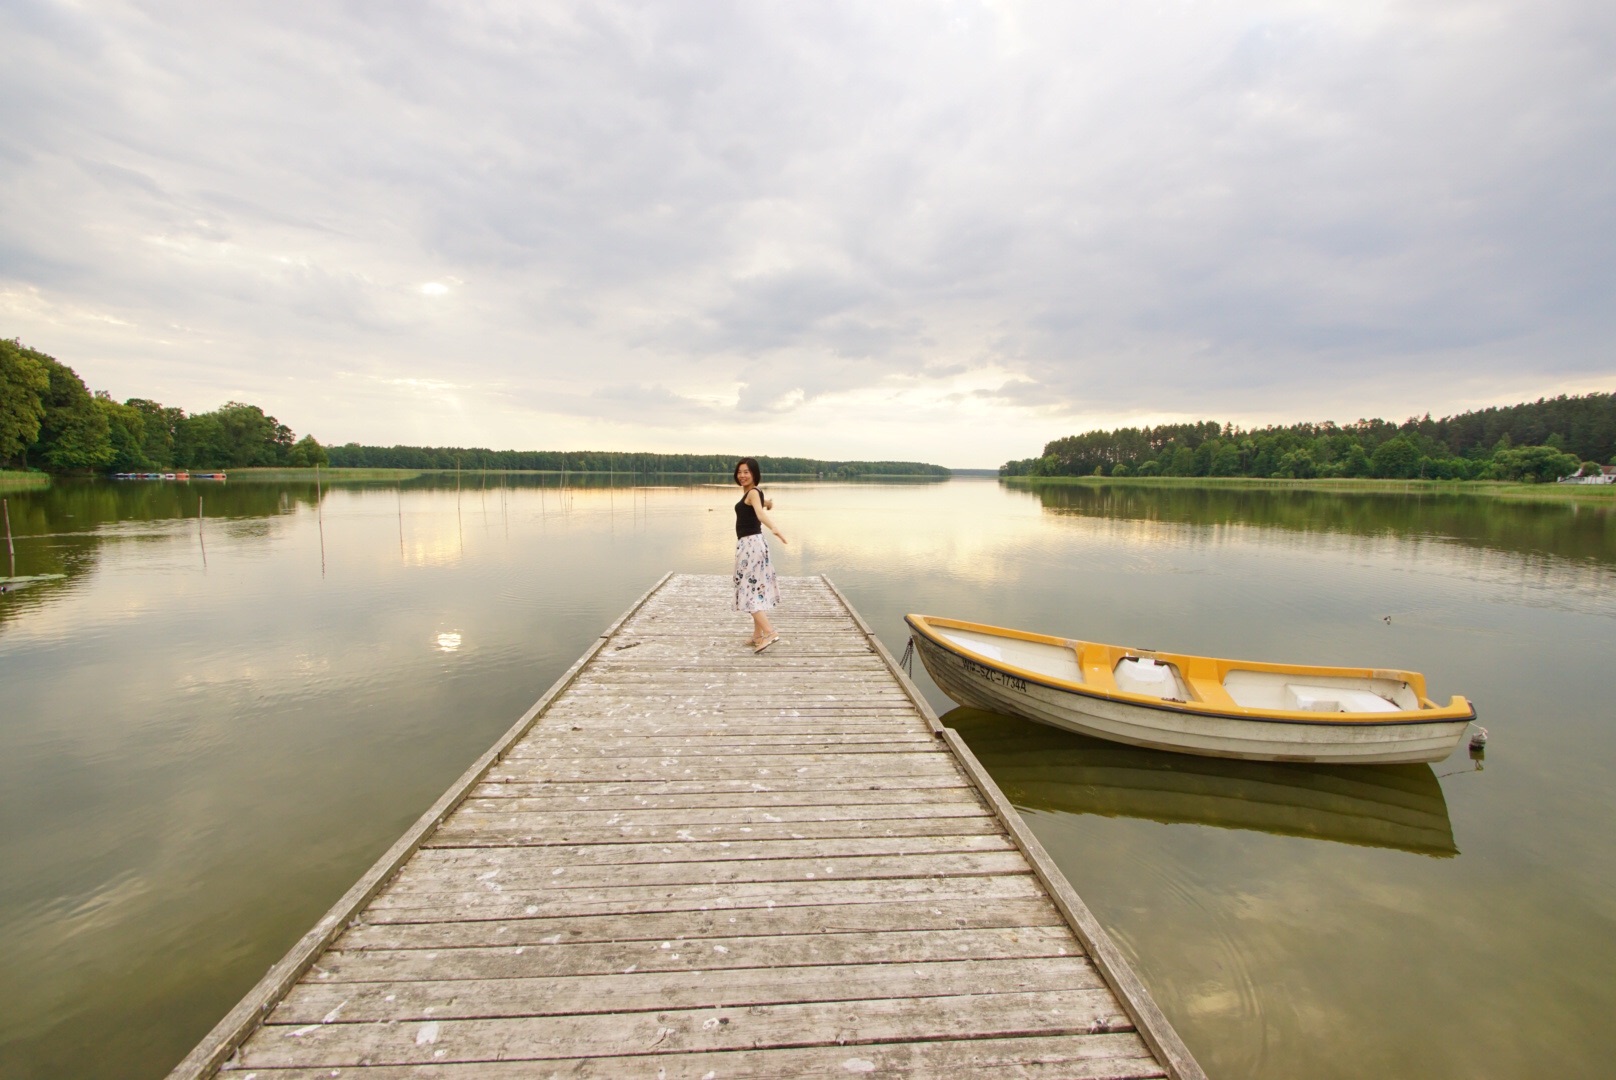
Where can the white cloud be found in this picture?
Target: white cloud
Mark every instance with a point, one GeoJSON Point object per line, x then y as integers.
{"type": "Point", "coordinates": [936, 230]}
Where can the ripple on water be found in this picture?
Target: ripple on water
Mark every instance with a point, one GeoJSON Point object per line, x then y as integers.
{"type": "Point", "coordinates": [1187, 940]}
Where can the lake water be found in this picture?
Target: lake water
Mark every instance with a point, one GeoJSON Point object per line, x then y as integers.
{"type": "Point", "coordinates": [208, 732]}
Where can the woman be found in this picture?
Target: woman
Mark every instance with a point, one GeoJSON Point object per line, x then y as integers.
{"type": "Point", "coordinates": [755, 587]}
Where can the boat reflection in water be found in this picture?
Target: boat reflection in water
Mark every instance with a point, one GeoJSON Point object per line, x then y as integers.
{"type": "Point", "coordinates": [1041, 768]}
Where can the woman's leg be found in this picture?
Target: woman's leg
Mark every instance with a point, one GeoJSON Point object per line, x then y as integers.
{"type": "Point", "coordinates": [761, 630]}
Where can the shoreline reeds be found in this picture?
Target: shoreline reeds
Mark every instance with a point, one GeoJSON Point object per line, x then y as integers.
{"type": "Point", "coordinates": [23, 481]}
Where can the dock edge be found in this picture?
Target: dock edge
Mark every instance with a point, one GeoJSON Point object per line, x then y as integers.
{"type": "Point", "coordinates": [1152, 1024]}
{"type": "Point", "coordinates": [217, 1047]}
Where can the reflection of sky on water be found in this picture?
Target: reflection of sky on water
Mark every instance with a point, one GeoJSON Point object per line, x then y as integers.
{"type": "Point", "coordinates": [206, 756]}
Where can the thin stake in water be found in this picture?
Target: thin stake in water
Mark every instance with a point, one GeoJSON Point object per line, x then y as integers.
{"type": "Point", "coordinates": [203, 540]}
{"type": "Point", "coordinates": [319, 515]}
{"type": "Point", "coordinates": [5, 505]}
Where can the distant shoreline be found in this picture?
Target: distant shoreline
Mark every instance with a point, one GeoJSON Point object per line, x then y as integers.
{"type": "Point", "coordinates": [405, 474]}
{"type": "Point", "coordinates": [1503, 489]}
{"type": "Point", "coordinates": [29, 480]}
{"type": "Point", "coordinates": [12, 481]}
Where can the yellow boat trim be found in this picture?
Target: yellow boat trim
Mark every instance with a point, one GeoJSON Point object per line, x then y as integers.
{"type": "Point", "coordinates": [1203, 675]}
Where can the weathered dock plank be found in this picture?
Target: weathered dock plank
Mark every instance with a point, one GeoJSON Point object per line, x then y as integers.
{"type": "Point", "coordinates": [426, 905]}
{"type": "Point", "coordinates": [689, 860]}
{"type": "Point", "coordinates": [650, 991]}
{"type": "Point", "coordinates": [1096, 1057]}
{"type": "Point", "coordinates": [754, 922]}
{"type": "Point", "coordinates": [679, 1031]}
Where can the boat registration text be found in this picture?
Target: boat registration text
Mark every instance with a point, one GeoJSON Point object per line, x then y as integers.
{"type": "Point", "coordinates": [991, 675]}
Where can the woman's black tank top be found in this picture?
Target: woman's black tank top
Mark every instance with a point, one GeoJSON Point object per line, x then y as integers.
{"type": "Point", "coordinates": [746, 519]}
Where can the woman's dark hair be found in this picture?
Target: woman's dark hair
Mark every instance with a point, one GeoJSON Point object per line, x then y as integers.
{"type": "Point", "coordinates": [750, 463]}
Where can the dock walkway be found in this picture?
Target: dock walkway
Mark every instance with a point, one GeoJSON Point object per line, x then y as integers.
{"type": "Point", "coordinates": [689, 861]}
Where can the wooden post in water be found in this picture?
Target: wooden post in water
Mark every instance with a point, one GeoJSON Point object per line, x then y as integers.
{"type": "Point", "coordinates": [319, 515]}
{"type": "Point", "coordinates": [199, 537]}
{"type": "Point", "coordinates": [11, 552]}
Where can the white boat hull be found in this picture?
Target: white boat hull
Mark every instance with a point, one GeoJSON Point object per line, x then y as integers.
{"type": "Point", "coordinates": [969, 682]}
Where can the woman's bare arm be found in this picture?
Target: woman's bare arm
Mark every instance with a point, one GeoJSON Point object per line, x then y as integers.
{"type": "Point", "coordinates": [755, 501]}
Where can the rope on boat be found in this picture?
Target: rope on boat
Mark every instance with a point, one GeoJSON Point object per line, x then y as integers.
{"type": "Point", "coordinates": [907, 661]}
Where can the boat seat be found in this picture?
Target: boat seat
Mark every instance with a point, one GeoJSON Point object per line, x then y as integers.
{"type": "Point", "coordinates": [1095, 663]}
{"type": "Point", "coordinates": [1203, 678]}
{"type": "Point", "coordinates": [1211, 692]}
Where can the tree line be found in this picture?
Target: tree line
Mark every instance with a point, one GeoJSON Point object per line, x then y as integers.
{"type": "Point", "coordinates": [355, 456]}
{"type": "Point", "coordinates": [1533, 442]}
{"type": "Point", "coordinates": [50, 420]}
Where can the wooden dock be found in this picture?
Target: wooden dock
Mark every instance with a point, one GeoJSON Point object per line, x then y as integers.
{"type": "Point", "coordinates": [690, 861]}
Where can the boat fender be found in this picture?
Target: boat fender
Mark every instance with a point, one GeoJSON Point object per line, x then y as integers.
{"type": "Point", "coordinates": [1478, 741]}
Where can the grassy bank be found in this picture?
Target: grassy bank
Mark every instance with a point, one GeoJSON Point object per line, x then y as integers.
{"type": "Point", "coordinates": [1596, 493]}
{"type": "Point", "coordinates": [23, 481]}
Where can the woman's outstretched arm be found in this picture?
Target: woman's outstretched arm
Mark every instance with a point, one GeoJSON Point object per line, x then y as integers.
{"type": "Point", "coordinates": [755, 501]}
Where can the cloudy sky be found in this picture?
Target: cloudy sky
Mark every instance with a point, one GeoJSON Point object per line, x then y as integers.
{"type": "Point", "coordinates": [882, 229]}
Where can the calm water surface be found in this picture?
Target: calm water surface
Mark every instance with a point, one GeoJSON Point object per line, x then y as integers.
{"type": "Point", "coordinates": [207, 735]}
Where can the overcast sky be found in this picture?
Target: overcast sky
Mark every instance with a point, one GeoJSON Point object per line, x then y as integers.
{"type": "Point", "coordinates": [938, 231]}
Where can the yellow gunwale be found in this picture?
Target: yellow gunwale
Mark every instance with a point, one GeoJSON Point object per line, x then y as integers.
{"type": "Point", "coordinates": [1203, 675]}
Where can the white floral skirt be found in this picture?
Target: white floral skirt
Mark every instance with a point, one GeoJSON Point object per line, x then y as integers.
{"type": "Point", "coordinates": [755, 587]}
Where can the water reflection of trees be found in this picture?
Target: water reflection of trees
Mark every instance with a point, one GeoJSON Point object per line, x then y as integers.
{"type": "Point", "coordinates": [492, 479]}
{"type": "Point", "coordinates": [60, 531]}
{"type": "Point", "coordinates": [1564, 530]}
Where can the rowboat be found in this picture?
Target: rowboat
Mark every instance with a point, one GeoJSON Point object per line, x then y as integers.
{"type": "Point", "coordinates": [1250, 710]}
{"type": "Point", "coordinates": [1040, 768]}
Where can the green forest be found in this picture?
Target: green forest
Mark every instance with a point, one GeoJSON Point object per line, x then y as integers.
{"type": "Point", "coordinates": [354, 456]}
{"type": "Point", "coordinates": [1534, 442]}
{"type": "Point", "coordinates": [50, 420]}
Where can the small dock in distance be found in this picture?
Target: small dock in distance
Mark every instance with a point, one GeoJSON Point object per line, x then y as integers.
{"type": "Point", "coordinates": [687, 860]}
